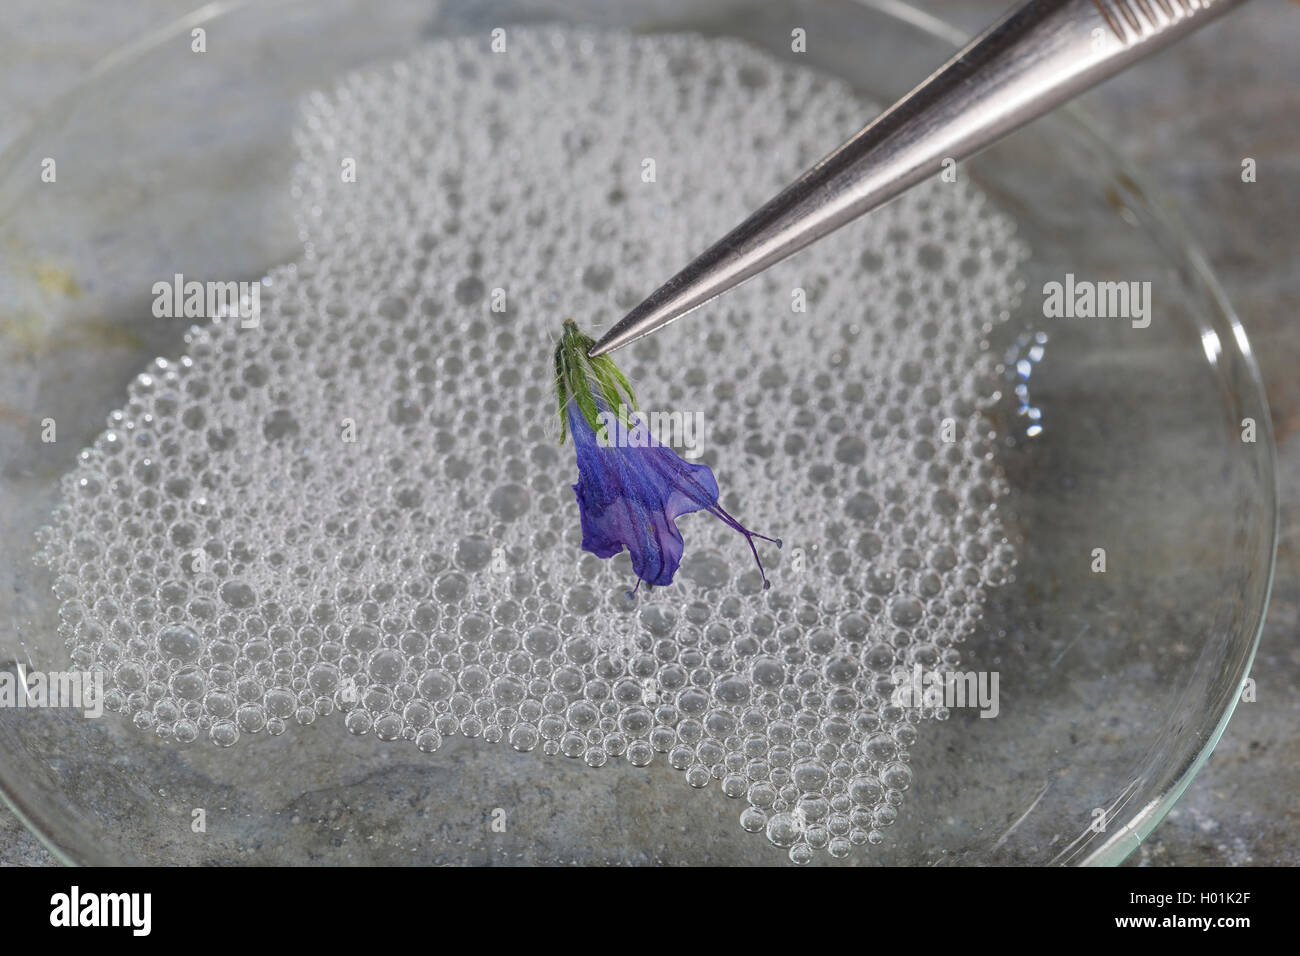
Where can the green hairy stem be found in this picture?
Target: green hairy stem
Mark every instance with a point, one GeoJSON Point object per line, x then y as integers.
{"type": "Point", "coordinates": [592, 383]}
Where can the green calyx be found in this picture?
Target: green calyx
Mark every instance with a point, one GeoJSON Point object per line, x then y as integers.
{"type": "Point", "coordinates": [594, 384]}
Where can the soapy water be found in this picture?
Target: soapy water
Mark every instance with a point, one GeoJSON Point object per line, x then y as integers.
{"type": "Point", "coordinates": [358, 509]}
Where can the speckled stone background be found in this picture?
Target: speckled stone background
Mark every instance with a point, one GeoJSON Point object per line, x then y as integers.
{"type": "Point", "coordinates": [1187, 117]}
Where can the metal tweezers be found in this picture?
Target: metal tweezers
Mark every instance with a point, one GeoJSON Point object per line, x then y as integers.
{"type": "Point", "coordinates": [1036, 57]}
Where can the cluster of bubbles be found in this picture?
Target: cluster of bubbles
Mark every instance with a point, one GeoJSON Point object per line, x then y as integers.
{"type": "Point", "coordinates": [359, 507]}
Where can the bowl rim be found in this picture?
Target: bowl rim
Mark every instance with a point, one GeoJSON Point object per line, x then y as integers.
{"type": "Point", "coordinates": [1161, 212]}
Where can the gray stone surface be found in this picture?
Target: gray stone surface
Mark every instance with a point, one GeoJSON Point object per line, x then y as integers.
{"type": "Point", "coordinates": [1188, 117]}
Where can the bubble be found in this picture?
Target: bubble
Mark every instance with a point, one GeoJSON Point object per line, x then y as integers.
{"type": "Point", "coordinates": [238, 594]}
{"type": "Point", "coordinates": [905, 611]}
{"type": "Point", "coordinates": [706, 569]}
{"type": "Point", "coordinates": [451, 587]}
{"type": "Point", "coordinates": [436, 685]}
{"type": "Point", "coordinates": [866, 790]}
{"type": "Point", "coordinates": [280, 425]}
{"type": "Point", "coordinates": [323, 678]}
{"type": "Point", "coordinates": [768, 673]}
{"type": "Point", "coordinates": [509, 501]}
{"type": "Point", "coordinates": [524, 737]}
{"type": "Point", "coordinates": [850, 450]}
{"type": "Point", "coordinates": [386, 666]}
{"type": "Point", "coordinates": [224, 733]}
{"type": "Point", "coordinates": [783, 829]}
{"type": "Point", "coordinates": [473, 553]}
{"type": "Point", "coordinates": [179, 643]}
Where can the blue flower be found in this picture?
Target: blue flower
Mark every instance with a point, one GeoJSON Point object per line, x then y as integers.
{"type": "Point", "coordinates": [630, 493]}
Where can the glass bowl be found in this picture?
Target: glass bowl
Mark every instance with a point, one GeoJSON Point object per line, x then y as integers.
{"type": "Point", "coordinates": [1115, 686]}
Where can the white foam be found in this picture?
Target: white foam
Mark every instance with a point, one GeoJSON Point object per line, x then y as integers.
{"type": "Point", "coordinates": [426, 578]}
